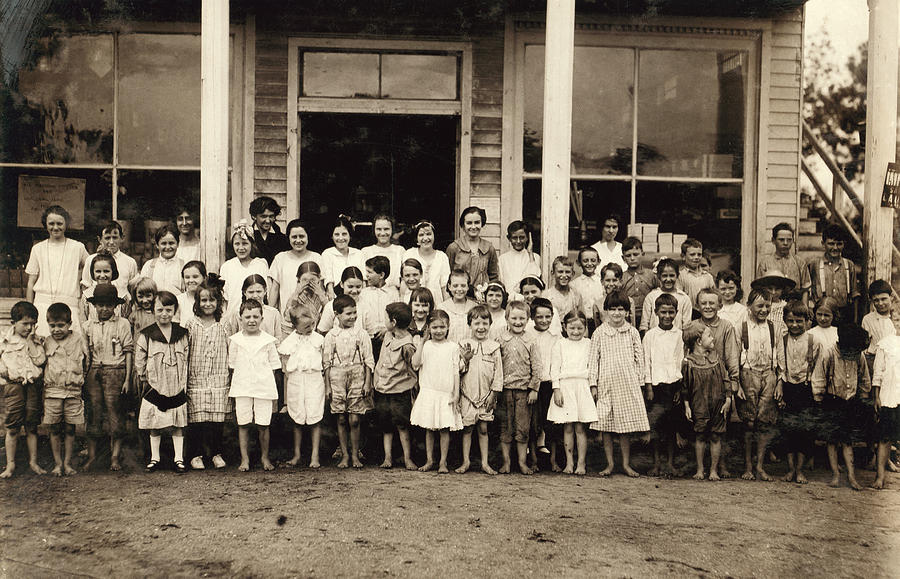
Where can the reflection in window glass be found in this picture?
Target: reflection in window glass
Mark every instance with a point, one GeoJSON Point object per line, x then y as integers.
{"type": "Point", "coordinates": [602, 109]}
{"type": "Point", "coordinates": [418, 76]}
{"type": "Point", "coordinates": [334, 74]}
{"type": "Point", "coordinates": [709, 212]}
{"type": "Point", "coordinates": [63, 109]}
{"type": "Point", "coordinates": [597, 199]}
{"type": "Point", "coordinates": [159, 99]}
{"type": "Point", "coordinates": [691, 113]}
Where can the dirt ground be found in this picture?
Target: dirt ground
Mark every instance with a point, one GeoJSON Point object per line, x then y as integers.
{"type": "Point", "coordinates": [331, 522]}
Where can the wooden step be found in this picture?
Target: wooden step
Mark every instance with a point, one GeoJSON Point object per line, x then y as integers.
{"type": "Point", "coordinates": [809, 242]}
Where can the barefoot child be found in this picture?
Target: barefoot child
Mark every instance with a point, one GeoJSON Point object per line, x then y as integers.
{"type": "Point", "coordinates": [611, 278]}
{"type": "Point", "coordinates": [458, 306]}
{"type": "Point", "coordinates": [561, 295]}
{"type": "Point", "coordinates": [207, 389]}
{"type": "Point", "coordinates": [616, 369]}
{"type": "Point", "coordinates": [777, 285]}
{"type": "Point", "coordinates": [878, 322]}
{"type": "Point", "coordinates": [253, 360]}
{"type": "Point", "coordinates": [394, 382]}
{"type": "Point", "coordinates": [351, 284]}
{"type": "Point", "coordinates": [667, 272]}
{"type": "Point", "coordinates": [374, 298]}
{"type": "Point", "coordinates": [481, 381]}
{"type": "Point", "coordinates": [589, 285]}
{"type": "Point", "coordinates": [437, 406]}
{"type": "Point", "coordinates": [574, 400]}
{"type": "Point", "coordinates": [663, 355]}
{"type": "Point", "coordinates": [348, 363]}
{"type": "Point", "coordinates": [522, 369]}
{"type": "Point", "coordinates": [161, 366]}
{"type": "Point", "coordinates": [63, 381]}
{"type": "Point", "coordinates": [729, 285]}
{"type": "Point", "coordinates": [800, 354]}
{"type": "Point", "coordinates": [637, 281]}
{"type": "Point", "coordinates": [111, 348]}
{"type": "Point", "coordinates": [762, 358]}
{"type": "Point", "coordinates": [839, 381]}
{"type": "Point", "coordinates": [544, 433]}
{"type": "Point", "coordinates": [708, 396]}
{"type": "Point", "coordinates": [886, 393]}
{"type": "Point", "coordinates": [304, 385]}
{"type": "Point", "coordinates": [691, 278]}
{"type": "Point", "coordinates": [824, 331]}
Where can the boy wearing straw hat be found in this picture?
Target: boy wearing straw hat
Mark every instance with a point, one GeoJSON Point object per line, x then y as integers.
{"type": "Point", "coordinates": [778, 285]}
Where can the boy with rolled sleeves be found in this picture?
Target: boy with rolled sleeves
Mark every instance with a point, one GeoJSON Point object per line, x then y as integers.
{"type": "Point", "coordinates": [67, 356]}
{"type": "Point", "coordinates": [110, 354]}
{"type": "Point", "coordinates": [834, 276]}
{"type": "Point", "coordinates": [522, 369]}
{"type": "Point", "coordinates": [21, 360]}
{"type": "Point", "coordinates": [394, 379]}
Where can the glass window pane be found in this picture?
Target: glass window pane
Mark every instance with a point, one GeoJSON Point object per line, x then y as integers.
{"type": "Point", "coordinates": [60, 108]}
{"type": "Point", "coordinates": [602, 109]}
{"type": "Point", "coordinates": [418, 76]}
{"type": "Point", "coordinates": [15, 242]}
{"type": "Point", "coordinates": [708, 212]}
{"type": "Point", "coordinates": [148, 198]}
{"type": "Point", "coordinates": [159, 99]}
{"type": "Point", "coordinates": [335, 74]}
{"type": "Point", "coordinates": [691, 113]}
{"type": "Point", "coordinates": [596, 199]}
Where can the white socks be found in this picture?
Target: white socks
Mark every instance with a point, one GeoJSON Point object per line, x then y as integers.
{"type": "Point", "coordinates": [178, 444]}
{"type": "Point", "coordinates": [154, 447]}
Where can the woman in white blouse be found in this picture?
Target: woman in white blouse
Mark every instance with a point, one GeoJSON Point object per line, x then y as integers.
{"type": "Point", "coordinates": [435, 263]}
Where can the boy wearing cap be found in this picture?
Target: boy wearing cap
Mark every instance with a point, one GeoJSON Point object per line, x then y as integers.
{"type": "Point", "coordinates": [110, 352]}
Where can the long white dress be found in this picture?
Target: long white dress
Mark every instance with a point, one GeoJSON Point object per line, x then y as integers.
{"type": "Point", "coordinates": [58, 270]}
{"type": "Point", "coordinates": [432, 409]}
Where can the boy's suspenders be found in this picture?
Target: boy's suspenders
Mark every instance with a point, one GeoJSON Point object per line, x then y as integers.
{"type": "Point", "coordinates": [810, 357]}
{"type": "Point", "coordinates": [820, 279]}
{"type": "Point", "coordinates": [745, 339]}
{"type": "Point", "coordinates": [356, 353]}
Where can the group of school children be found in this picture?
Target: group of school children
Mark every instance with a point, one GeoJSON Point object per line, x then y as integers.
{"type": "Point", "coordinates": [443, 341]}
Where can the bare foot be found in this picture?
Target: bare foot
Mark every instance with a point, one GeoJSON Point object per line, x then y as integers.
{"type": "Point", "coordinates": [855, 485]}
{"type": "Point", "coordinates": [410, 465]}
{"type": "Point", "coordinates": [555, 467]}
{"type": "Point", "coordinates": [504, 468]}
{"type": "Point", "coordinates": [699, 475]}
{"type": "Point", "coordinates": [442, 468]}
{"type": "Point", "coordinates": [654, 471]}
{"type": "Point", "coordinates": [789, 477]}
{"type": "Point", "coordinates": [714, 476]}
{"type": "Point", "coordinates": [10, 468]}
{"type": "Point", "coordinates": [801, 479]}
{"type": "Point", "coordinates": [630, 471]}
{"type": "Point", "coordinates": [386, 464]}
{"type": "Point", "coordinates": [267, 464]}
{"type": "Point", "coordinates": [115, 466]}
{"type": "Point", "coordinates": [762, 475]}
{"type": "Point", "coordinates": [357, 463]}
{"type": "Point", "coordinates": [464, 467]}
{"type": "Point", "coordinates": [878, 483]}
{"type": "Point", "coordinates": [36, 468]}
{"type": "Point", "coordinates": [724, 472]}
{"type": "Point", "coordinates": [68, 470]}
{"type": "Point", "coordinates": [835, 481]}
{"type": "Point", "coordinates": [57, 470]}
{"type": "Point", "coordinates": [580, 471]}
{"type": "Point", "coordinates": [244, 467]}
{"type": "Point", "coordinates": [523, 468]}
{"type": "Point", "coordinates": [606, 471]}
{"type": "Point", "coordinates": [314, 464]}
{"type": "Point", "coordinates": [426, 467]}
{"type": "Point", "coordinates": [486, 468]}
{"type": "Point", "coordinates": [569, 469]}
{"type": "Point", "coordinates": [295, 460]}
{"type": "Point", "coordinates": [86, 465]}
{"type": "Point", "coordinates": [892, 466]}
{"type": "Point", "coordinates": [748, 475]}
{"type": "Point", "coordinates": [345, 462]}
{"type": "Point", "coordinates": [535, 468]}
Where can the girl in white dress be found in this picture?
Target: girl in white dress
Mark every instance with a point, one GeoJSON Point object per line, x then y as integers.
{"type": "Point", "coordinates": [437, 406]}
{"type": "Point", "coordinates": [458, 306]}
{"type": "Point", "coordinates": [340, 256]}
{"type": "Point", "coordinates": [244, 263]}
{"type": "Point", "coordinates": [574, 400]}
{"type": "Point", "coordinates": [54, 269]}
{"type": "Point", "coordinates": [435, 263]}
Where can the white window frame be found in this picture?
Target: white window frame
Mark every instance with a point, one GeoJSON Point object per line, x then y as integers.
{"type": "Point", "coordinates": [461, 107]}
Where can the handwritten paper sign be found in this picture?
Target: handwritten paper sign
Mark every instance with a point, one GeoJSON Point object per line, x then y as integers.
{"type": "Point", "coordinates": [37, 192]}
{"type": "Point", "coordinates": [890, 197]}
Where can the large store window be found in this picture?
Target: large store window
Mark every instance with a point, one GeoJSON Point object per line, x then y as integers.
{"type": "Point", "coordinates": [658, 137]}
{"type": "Point", "coordinates": [110, 119]}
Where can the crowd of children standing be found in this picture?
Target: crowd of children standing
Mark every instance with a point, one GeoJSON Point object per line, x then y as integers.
{"type": "Point", "coordinates": [445, 341]}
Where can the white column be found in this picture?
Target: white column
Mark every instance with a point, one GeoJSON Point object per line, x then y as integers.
{"type": "Point", "coordinates": [881, 135]}
{"type": "Point", "coordinates": [559, 59]}
{"type": "Point", "coordinates": [214, 131]}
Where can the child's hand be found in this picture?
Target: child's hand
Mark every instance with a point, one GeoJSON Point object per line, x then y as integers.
{"type": "Point", "coordinates": [727, 406]}
{"type": "Point", "coordinates": [687, 412]}
{"type": "Point", "coordinates": [779, 392]}
{"type": "Point", "coordinates": [454, 400]}
{"type": "Point", "coordinates": [877, 404]}
{"type": "Point", "coordinates": [532, 396]}
{"type": "Point", "coordinates": [648, 392]}
{"type": "Point", "coordinates": [740, 393]}
{"type": "Point", "coordinates": [558, 397]}
{"type": "Point", "coordinates": [125, 387]}
{"type": "Point", "coordinates": [37, 340]}
{"type": "Point", "coordinates": [379, 334]}
{"type": "Point", "coordinates": [467, 352]}
{"type": "Point", "coordinates": [594, 393]}
{"type": "Point", "coordinates": [491, 402]}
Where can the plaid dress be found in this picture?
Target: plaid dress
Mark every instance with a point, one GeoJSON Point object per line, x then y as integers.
{"type": "Point", "coordinates": [207, 387]}
{"type": "Point", "coordinates": [616, 366]}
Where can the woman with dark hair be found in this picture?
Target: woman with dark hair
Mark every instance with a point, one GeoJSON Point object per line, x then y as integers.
{"type": "Point", "coordinates": [188, 239]}
{"type": "Point", "coordinates": [267, 237]}
{"type": "Point", "coordinates": [471, 252]}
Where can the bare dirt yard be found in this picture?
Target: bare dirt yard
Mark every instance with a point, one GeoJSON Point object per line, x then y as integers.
{"type": "Point", "coordinates": [373, 522]}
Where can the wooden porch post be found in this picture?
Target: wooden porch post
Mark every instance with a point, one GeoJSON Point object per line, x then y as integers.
{"type": "Point", "coordinates": [559, 62]}
{"type": "Point", "coordinates": [214, 130]}
{"type": "Point", "coordinates": [881, 136]}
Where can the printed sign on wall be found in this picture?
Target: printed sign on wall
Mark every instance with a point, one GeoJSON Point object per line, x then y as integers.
{"type": "Point", "coordinates": [37, 192]}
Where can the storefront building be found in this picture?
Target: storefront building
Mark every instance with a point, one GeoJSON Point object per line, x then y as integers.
{"type": "Point", "coordinates": [684, 117]}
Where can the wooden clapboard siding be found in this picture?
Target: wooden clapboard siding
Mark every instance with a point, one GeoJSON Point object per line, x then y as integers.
{"type": "Point", "coordinates": [270, 129]}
